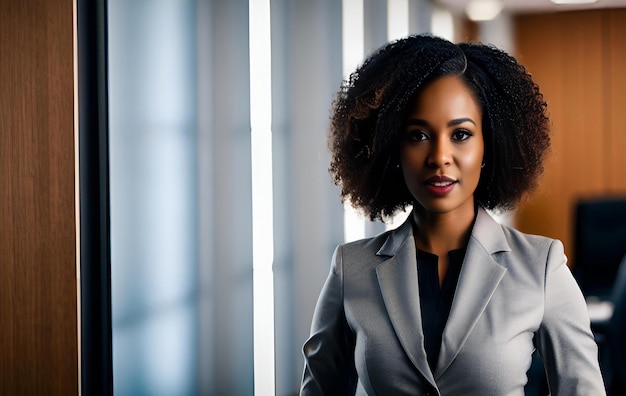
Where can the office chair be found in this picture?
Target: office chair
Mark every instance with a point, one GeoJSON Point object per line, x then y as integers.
{"type": "Point", "coordinates": [599, 267]}
{"type": "Point", "coordinates": [610, 333]}
{"type": "Point", "coordinates": [599, 244]}
{"type": "Point", "coordinates": [616, 334]}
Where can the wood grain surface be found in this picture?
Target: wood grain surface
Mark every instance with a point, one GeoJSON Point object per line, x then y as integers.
{"type": "Point", "coordinates": [38, 304]}
{"type": "Point", "coordinates": [578, 59]}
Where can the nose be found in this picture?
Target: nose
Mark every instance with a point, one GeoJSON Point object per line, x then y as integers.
{"type": "Point", "coordinates": [439, 154]}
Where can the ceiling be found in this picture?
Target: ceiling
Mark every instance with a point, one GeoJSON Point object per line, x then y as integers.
{"type": "Point", "coordinates": [530, 6]}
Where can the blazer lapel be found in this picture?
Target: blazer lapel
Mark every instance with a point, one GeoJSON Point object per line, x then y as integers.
{"type": "Point", "coordinates": [479, 278]}
{"type": "Point", "coordinates": [397, 278]}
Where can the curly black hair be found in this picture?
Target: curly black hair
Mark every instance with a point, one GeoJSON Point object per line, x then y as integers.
{"type": "Point", "coordinates": [370, 108]}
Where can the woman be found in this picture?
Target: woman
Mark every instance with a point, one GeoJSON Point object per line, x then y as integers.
{"type": "Point", "coordinates": [451, 302]}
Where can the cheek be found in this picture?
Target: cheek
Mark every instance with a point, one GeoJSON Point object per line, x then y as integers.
{"type": "Point", "coordinates": [410, 171]}
{"type": "Point", "coordinates": [411, 159]}
{"type": "Point", "coordinates": [472, 162]}
{"type": "Point", "coordinates": [407, 168]}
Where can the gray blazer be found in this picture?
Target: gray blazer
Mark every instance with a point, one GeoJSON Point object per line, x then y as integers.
{"type": "Point", "coordinates": [514, 294]}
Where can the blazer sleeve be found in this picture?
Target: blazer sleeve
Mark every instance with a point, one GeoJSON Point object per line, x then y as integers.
{"type": "Point", "coordinates": [329, 352]}
{"type": "Point", "coordinates": [565, 340]}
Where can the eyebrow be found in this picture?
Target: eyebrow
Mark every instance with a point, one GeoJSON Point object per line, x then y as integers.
{"type": "Point", "coordinates": [424, 123]}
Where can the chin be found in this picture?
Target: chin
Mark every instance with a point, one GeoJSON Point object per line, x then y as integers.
{"type": "Point", "coordinates": [441, 205]}
{"type": "Point", "coordinates": [435, 207]}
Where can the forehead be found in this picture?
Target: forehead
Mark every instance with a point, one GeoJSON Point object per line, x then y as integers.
{"type": "Point", "coordinates": [448, 94]}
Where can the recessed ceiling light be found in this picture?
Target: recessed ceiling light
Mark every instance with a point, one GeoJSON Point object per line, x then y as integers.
{"type": "Point", "coordinates": [483, 10]}
{"type": "Point", "coordinates": [573, 1]}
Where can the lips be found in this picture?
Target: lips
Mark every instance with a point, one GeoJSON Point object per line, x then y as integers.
{"type": "Point", "coordinates": [440, 185]}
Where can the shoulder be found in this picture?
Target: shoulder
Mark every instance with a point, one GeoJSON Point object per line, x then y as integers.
{"type": "Point", "coordinates": [515, 249]}
{"type": "Point", "coordinates": [496, 237]}
{"type": "Point", "coordinates": [365, 254]}
{"type": "Point", "coordinates": [382, 246]}
{"type": "Point", "coordinates": [528, 241]}
{"type": "Point", "coordinates": [537, 249]}
{"type": "Point", "coordinates": [363, 247]}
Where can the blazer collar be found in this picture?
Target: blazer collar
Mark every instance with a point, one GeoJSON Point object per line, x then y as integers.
{"type": "Point", "coordinates": [487, 232]}
{"type": "Point", "coordinates": [397, 278]}
{"type": "Point", "coordinates": [480, 275]}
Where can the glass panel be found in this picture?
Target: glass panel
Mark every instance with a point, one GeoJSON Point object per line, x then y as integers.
{"type": "Point", "coordinates": [153, 172]}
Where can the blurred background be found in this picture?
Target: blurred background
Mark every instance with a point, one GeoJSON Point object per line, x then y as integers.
{"type": "Point", "coordinates": [223, 215]}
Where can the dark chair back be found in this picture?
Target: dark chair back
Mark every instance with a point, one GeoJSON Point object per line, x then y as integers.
{"type": "Point", "coordinates": [599, 244]}
{"type": "Point", "coordinates": [617, 331]}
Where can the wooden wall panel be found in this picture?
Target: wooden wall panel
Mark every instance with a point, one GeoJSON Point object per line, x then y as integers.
{"type": "Point", "coordinates": [38, 304]}
{"type": "Point", "coordinates": [543, 65]}
{"type": "Point", "coordinates": [581, 125]}
{"type": "Point", "coordinates": [577, 59]}
{"type": "Point", "coordinates": [616, 87]}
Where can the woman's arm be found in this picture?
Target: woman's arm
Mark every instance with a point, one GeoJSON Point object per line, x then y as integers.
{"type": "Point", "coordinates": [565, 340]}
{"type": "Point", "coordinates": [329, 352]}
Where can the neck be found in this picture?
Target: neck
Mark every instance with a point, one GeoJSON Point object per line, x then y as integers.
{"type": "Point", "coordinates": [439, 233]}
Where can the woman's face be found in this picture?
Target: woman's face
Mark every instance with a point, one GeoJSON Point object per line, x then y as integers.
{"type": "Point", "coordinates": [442, 147]}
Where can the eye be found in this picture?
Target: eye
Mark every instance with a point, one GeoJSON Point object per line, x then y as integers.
{"type": "Point", "coordinates": [460, 135]}
{"type": "Point", "coordinates": [416, 135]}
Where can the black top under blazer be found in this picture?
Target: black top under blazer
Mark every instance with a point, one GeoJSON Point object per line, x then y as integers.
{"type": "Point", "coordinates": [515, 293]}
